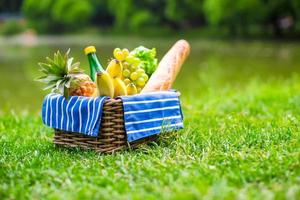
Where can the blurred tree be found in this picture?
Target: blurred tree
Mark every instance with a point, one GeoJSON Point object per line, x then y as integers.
{"type": "Point", "coordinates": [10, 5]}
{"type": "Point", "coordinates": [281, 14]}
{"type": "Point", "coordinates": [101, 15]}
{"type": "Point", "coordinates": [151, 13]}
{"type": "Point", "coordinates": [11, 27]}
{"type": "Point", "coordinates": [57, 15]}
{"type": "Point", "coordinates": [72, 13]}
{"type": "Point", "coordinates": [133, 14]}
{"type": "Point", "coordinates": [121, 11]}
{"type": "Point", "coordinates": [184, 13]}
{"type": "Point", "coordinates": [234, 15]}
{"type": "Point", "coordinates": [239, 17]}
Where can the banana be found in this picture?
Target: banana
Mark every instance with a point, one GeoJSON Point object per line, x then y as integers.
{"type": "Point", "coordinates": [115, 68]}
{"type": "Point", "coordinates": [105, 84]}
{"type": "Point", "coordinates": [131, 89]}
{"type": "Point", "coordinates": [120, 88]}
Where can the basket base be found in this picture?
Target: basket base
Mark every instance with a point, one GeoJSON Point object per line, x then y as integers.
{"type": "Point", "coordinates": [100, 145]}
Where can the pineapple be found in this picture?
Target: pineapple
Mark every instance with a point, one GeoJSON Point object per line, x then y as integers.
{"type": "Point", "coordinates": [66, 78]}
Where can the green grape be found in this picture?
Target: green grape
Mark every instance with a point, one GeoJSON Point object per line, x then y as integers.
{"type": "Point", "coordinates": [145, 76]}
{"type": "Point", "coordinates": [140, 82]}
{"type": "Point", "coordinates": [140, 71]}
{"type": "Point", "coordinates": [126, 73]}
{"type": "Point", "coordinates": [126, 65]}
{"type": "Point", "coordinates": [135, 61]}
{"type": "Point", "coordinates": [127, 81]}
{"type": "Point", "coordinates": [116, 50]}
{"type": "Point", "coordinates": [130, 59]}
{"type": "Point", "coordinates": [118, 54]}
{"type": "Point", "coordinates": [133, 76]}
{"type": "Point", "coordinates": [134, 82]}
{"type": "Point", "coordinates": [125, 52]}
{"type": "Point", "coordinates": [133, 68]}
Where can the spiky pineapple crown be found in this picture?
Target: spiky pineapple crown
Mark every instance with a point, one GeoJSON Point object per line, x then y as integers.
{"type": "Point", "coordinates": [57, 72]}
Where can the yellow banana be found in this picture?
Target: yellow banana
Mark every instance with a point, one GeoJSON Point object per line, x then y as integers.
{"type": "Point", "coordinates": [131, 89]}
{"type": "Point", "coordinates": [115, 68]}
{"type": "Point", "coordinates": [120, 88]}
{"type": "Point", "coordinates": [105, 84]}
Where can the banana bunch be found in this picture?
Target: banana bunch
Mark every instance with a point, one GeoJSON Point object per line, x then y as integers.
{"type": "Point", "coordinates": [114, 69]}
{"type": "Point", "coordinates": [109, 82]}
{"type": "Point", "coordinates": [129, 77]}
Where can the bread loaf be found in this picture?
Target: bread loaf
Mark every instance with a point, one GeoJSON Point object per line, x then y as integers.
{"type": "Point", "coordinates": [168, 68]}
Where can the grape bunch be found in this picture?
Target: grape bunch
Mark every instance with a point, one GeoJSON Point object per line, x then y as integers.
{"type": "Point", "coordinates": [133, 75]}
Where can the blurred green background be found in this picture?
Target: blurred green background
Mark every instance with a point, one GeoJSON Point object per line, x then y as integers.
{"type": "Point", "coordinates": [243, 18]}
{"type": "Point", "coordinates": [231, 41]}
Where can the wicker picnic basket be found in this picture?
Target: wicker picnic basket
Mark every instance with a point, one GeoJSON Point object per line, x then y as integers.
{"type": "Point", "coordinates": [112, 137]}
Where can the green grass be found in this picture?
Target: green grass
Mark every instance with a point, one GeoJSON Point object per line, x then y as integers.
{"type": "Point", "coordinates": [236, 144]}
{"type": "Point", "coordinates": [241, 140]}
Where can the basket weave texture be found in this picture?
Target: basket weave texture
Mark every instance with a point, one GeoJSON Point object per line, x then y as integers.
{"type": "Point", "coordinates": [112, 137]}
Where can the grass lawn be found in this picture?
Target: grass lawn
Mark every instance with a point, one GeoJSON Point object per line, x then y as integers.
{"type": "Point", "coordinates": [241, 141]}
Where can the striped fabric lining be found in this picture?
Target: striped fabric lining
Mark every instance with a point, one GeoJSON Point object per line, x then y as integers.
{"type": "Point", "coordinates": [149, 114]}
{"type": "Point", "coordinates": [77, 114]}
{"type": "Point", "coordinates": [144, 114]}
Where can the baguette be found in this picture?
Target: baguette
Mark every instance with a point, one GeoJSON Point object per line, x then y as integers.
{"type": "Point", "coordinates": [168, 68]}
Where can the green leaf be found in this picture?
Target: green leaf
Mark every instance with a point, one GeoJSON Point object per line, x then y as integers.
{"type": "Point", "coordinates": [148, 58]}
{"type": "Point", "coordinates": [49, 86]}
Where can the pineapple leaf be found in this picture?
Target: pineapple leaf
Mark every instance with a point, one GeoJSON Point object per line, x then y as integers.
{"type": "Point", "coordinates": [50, 61]}
{"type": "Point", "coordinates": [60, 60]}
{"type": "Point", "coordinates": [59, 82]}
{"type": "Point", "coordinates": [60, 86]}
{"type": "Point", "coordinates": [50, 86]}
{"type": "Point", "coordinates": [68, 83]}
{"type": "Point", "coordinates": [60, 73]}
{"type": "Point", "coordinates": [67, 54]}
{"type": "Point", "coordinates": [54, 67]}
{"type": "Point", "coordinates": [49, 78]}
{"type": "Point", "coordinates": [69, 64]}
{"type": "Point", "coordinates": [76, 65]}
{"type": "Point", "coordinates": [45, 66]}
{"type": "Point", "coordinates": [55, 57]}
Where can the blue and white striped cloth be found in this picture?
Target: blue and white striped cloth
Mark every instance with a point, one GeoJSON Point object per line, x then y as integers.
{"type": "Point", "coordinates": [144, 114]}
{"type": "Point", "coordinates": [149, 114]}
{"type": "Point", "coordinates": [77, 114]}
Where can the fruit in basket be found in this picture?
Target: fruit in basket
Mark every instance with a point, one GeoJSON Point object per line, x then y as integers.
{"type": "Point", "coordinates": [131, 89]}
{"type": "Point", "coordinates": [125, 52]}
{"type": "Point", "coordinates": [140, 82]}
{"type": "Point", "coordinates": [135, 75]}
{"type": "Point", "coordinates": [65, 77]}
{"type": "Point", "coordinates": [120, 87]}
{"type": "Point", "coordinates": [118, 54]}
{"type": "Point", "coordinates": [133, 70]}
{"type": "Point", "coordinates": [105, 84]}
{"type": "Point", "coordinates": [115, 68]}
